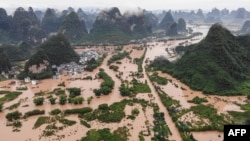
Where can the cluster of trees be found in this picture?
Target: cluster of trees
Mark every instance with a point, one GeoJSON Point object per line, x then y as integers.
{"type": "Point", "coordinates": [93, 64]}
{"type": "Point", "coordinates": [105, 113]}
{"type": "Point", "coordinates": [159, 80]}
{"type": "Point", "coordinates": [117, 57]}
{"type": "Point", "coordinates": [136, 88]}
{"type": "Point", "coordinates": [198, 100]}
{"type": "Point", "coordinates": [13, 116]}
{"type": "Point", "coordinates": [106, 86]}
{"type": "Point", "coordinates": [120, 134]}
{"type": "Point", "coordinates": [38, 101]}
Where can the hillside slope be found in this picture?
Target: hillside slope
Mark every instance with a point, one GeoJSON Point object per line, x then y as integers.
{"type": "Point", "coordinates": [219, 64]}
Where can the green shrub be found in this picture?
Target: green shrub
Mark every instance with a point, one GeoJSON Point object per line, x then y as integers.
{"type": "Point", "coordinates": [198, 100]}
{"type": "Point", "coordinates": [117, 57]}
{"type": "Point", "coordinates": [159, 80]}
{"type": "Point", "coordinates": [83, 122]}
{"type": "Point", "coordinates": [13, 115]}
{"type": "Point", "coordinates": [55, 112]}
{"type": "Point", "coordinates": [93, 64]}
{"type": "Point", "coordinates": [62, 84]}
{"type": "Point", "coordinates": [140, 87]}
{"type": "Point", "coordinates": [1, 107]}
{"type": "Point", "coordinates": [52, 100]}
{"type": "Point", "coordinates": [106, 86]}
{"type": "Point", "coordinates": [124, 91]}
{"type": "Point", "coordinates": [9, 96]}
{"type": "Point", "coordinates": [67, 122]}
{"type": "Point", "coordinates": [13, 106]}
{"type": "Point", "coordinates": [62, 99]}
{"type": "Point", "coordinates": [34, 112]}
{"type": "Point", "coordinates": [135, 111]}
{"type": "Point", "coordinates": [38, 101]}
{"type": "Point", "coordinates": [103, 107]}
{"type": "Point", "coordinates": [89, 99]}
{"type": "Point", "coordinates": [113, 67]}
{"type": "Point", "coordinates": [78, 111]}
{"type": "Point", "coordinates": [73, 92]}
{"type": "Point", "coordinates": [40, 121]}
{"type": "Point", "coordinates": [76, 100]}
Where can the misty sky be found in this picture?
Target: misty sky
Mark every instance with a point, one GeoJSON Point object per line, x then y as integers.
{"type": "Point", "coordinates": [125, 4]}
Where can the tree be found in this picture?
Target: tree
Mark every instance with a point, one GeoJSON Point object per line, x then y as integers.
{"type": "Point", "coordinates": [62, 99]}
{"type": "Point", "coordinates": [124, 91]}
{"type": "Point", "coordinates": [52, 100]}
{"type": "Point", "coordinates": [38, 101]}
{"type": "Point", "coordinates": [13, 116]}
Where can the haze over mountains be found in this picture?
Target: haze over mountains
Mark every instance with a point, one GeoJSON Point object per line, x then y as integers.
{"type": "Point", "coordinates": [80, 26]}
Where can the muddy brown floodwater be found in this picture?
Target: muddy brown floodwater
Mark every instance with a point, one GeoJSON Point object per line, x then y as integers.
{"type": "Point", "coordinates": [75, 132]}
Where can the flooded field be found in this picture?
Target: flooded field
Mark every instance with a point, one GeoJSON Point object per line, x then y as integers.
{"type": "Point", "coordinates": [177, 90]}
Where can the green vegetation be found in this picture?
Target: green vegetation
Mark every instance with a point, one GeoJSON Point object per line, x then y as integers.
{"type": "Point", "coordinates": [73, 92]}
{"type": "Point", "coordinates": [172, 106]}
{"type": "Point", "coordinates": [222, 69]}
{"type": "Point", "coordinates": [13, 116]}
{"type": "Point", "coordinates": [107, 34]}
{"type": "Point", "coordinates": [89, 99]}
{"type": "Point", "coordinates": [72, 27]}
{"type": "Point", "coordinates": [113, 67]}
{"type": "Point", "coordinates": [117, 57]}
{"type": "Point", "coordinates": [197, 100]}
{"type": "Point", "coordinates": [8, 96]}
{"type": "Point", "coordinates": [106, 86]}
{"type": "Point", "coordinates": [67, 122]}
{"type": "Point", "coordinates": [40, 121]}
{"type": "Point", "coordinates": [58, 91]}
{"type": "Point", "coordinates": [55, 112]}
{"type": "Point", "coordinates": [40, 57]}
{"type": "Point", "coordinates": [120, 134]}
{"type": "Point", "coordinates": [105, 113]}
{"type": "Point", "coordinates": [62, 99]}
{"type": "Point", "coordinates": [134, 113]}
{"type": "Point", "coordinates": [124, 91]}
{"type": "Point", "coordinates": [93, 64]}
{"type": "Point", "coordinates": [4, 62]}
{"type": "Point", "coordinates": [140, 87]}
{"type": "Point", "coordinates": [38, 101]}
{"type": "Point", "coordinates": [84, 123]}
{"type": "Point", "coordinates": [76, 100]}
{"type": "Point", "coordinates": [87, 78]}
{"type": "Point", "coordinates": [59, 50]}
{"type": "Point", "coordinates": [139, 61]}
{"type": "Point", "coordinates": [22, 88]}
{"type": "Point", "coordinates": [242, 117]}
{"type": "Point", "coordinates": [160, 127]}
{"type": "Point", "coordinates": [78, 111]}
{"type": "Point", "coordinates": [62, 84]}
{"type": "Point", "coordinates": [52, 100]}
{"type": "Point", "coordinates": [1, 107]}
{"type": "Point", "coordinates": [41, 93]}
{"type": "Point", "coordinates": [33, 113]}
{"type": "Point", "coordinates": [208, 112]}
{"type": "Point", "coordinates": [13, 106]}
{"type": "Point", "coordinates": [159, 80]}
{"type": "Point", "coordinates": [136, 88]}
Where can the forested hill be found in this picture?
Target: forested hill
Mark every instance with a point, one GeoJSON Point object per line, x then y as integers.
{"type": "Point", "coordinates": [4, 61]}
{"type": "Point", "coordinates": [219, 64]}
{"type": "Point", "coordinates": [59, 50]}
